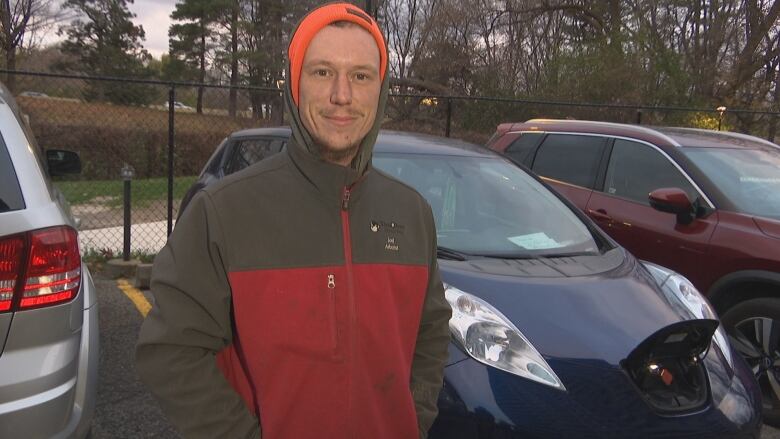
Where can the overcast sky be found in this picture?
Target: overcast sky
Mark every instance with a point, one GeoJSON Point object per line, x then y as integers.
{"type": "Point", "coordinates": [153, 15]}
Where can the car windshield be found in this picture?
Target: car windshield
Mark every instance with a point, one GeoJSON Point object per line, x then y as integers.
{"type": "Point", "coordinates": [490, 207]}
{"type": "Point", "coordinates": [749, 178]}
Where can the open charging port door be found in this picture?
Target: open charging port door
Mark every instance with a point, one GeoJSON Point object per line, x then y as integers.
{"type": "Point", "coordinates": [667, 367]}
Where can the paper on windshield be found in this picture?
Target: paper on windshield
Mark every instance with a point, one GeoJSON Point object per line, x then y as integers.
{"type": "Point", "coordinates": [534, 241]}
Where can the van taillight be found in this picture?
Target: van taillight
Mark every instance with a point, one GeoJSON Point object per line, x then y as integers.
{"type": "Point", "coordinates": [10, 268]}
{"type": "Point", "coordinates": [39, 268]}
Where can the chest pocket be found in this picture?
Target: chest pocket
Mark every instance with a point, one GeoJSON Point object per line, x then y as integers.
{"type": "Point", "coordinates": [291, 311]}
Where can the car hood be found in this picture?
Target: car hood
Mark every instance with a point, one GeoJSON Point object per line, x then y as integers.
{"type": "Point", "coordinates": [596, 308]}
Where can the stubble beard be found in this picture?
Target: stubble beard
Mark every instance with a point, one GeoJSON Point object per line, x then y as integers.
{"type": "Point", "coordinates": [331, 155]}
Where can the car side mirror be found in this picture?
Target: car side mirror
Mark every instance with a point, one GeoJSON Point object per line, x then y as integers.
{"type": "Point", "coordinates": [673, 200]}
{"type": "Point", "coordinates": [62, 162]}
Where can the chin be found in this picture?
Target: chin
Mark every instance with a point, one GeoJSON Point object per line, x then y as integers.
{"type": "Point", "coordinates": [338, 146]}
{"type": "Point", "coordinates": [341, 142]}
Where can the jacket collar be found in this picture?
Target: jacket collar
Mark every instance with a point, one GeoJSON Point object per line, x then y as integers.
{"type": "Point", "coordinates": [327, 178]}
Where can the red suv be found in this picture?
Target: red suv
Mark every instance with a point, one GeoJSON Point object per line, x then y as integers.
{"type": "Point", "coordinates": [703, 203]}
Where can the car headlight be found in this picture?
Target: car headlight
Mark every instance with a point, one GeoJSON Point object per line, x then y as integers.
{"type": "Point", "coordinates": [490, 338]}
{"type": "Point", "coordinates": [683, 296]}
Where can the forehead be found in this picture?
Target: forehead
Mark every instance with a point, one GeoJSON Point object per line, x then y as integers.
{"type": "Point", "coordinates": [343, 45]}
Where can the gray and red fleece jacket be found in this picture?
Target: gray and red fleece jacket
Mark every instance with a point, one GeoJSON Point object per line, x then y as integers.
{"type": "Point", "coordinates": [301, 299]}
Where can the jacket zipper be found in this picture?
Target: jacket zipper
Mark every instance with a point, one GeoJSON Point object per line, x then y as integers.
{"type": "Point", "coordinates": [351, 330]}
{"type": "Point", "coordinates": [332, 307]}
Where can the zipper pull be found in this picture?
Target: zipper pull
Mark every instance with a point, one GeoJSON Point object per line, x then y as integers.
{"type": "Point", "coordinates": [345, 198]}
{"type": "Point", "coordinates": [331, 281]}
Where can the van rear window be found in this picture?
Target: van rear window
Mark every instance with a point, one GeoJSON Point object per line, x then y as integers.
{"type": "Point", "coordinates": [10, 192]}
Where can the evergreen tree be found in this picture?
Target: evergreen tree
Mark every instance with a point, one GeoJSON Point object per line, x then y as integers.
{"type": "Point", "coordinates": [265, 27]}
{"type": "Point", "coordinates": [105, 42]}
{"type": "Point", "coordinates": [226, 55]}
{"type": "Point", "coordinates": [190, 37]}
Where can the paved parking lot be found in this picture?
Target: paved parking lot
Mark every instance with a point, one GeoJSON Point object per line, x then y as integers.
{"type": "Point", "coordinates": [125, 408]}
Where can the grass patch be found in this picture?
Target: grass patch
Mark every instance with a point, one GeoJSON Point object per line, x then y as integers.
{"type": "Point", "coordinates": [94, 255]}
{"type": "Point", "coordinates": [110, 192]}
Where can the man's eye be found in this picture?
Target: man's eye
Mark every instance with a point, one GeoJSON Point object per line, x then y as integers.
{"type": "Point", "coordinates": [361, 76]}
{"type": "Point", "coordinates": [321, 72]}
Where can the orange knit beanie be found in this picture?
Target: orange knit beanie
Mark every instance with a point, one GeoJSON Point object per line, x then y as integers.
{"type": "Point", "coordinates": [318, 19]}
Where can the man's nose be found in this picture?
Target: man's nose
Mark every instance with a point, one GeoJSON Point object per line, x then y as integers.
{"type": "Point", "coordinates": [341, 92]}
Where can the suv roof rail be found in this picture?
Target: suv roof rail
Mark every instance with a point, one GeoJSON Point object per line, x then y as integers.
{"type": "Point", "coordinates": [637, 128]}
{"type": "Point", "coordinates": [731, 134]}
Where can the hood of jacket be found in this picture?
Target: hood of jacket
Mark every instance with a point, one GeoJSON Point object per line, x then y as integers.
{"type": "Point", "coordinates": [327, 176]}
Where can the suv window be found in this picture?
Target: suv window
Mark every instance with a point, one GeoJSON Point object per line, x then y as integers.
{"type": "Point", "coordinates": [635, 170]}
{"type": "Point", "coordinates": [10, 192]}
{"type": "Point", "coordinates": [250, 151]}
{"type": "Point", "coordinates": [521, 149]}
{"type": "Point", "coordinates": [570, 158]}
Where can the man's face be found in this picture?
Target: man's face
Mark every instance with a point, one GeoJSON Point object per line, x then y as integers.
{"type": "Point", "coordinates": [339, 90]}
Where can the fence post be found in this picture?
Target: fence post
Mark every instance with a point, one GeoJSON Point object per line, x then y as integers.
{"type": "Point", "coordinates": [127, 175]}
{"type": "Point", "coordinates": [639, 116]}
{"type": "Point", "coordinates": [449, 118]}
{"type": "Point", "coordinates": [171, 111]}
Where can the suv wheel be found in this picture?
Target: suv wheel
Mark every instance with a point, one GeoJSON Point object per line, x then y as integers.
{"type": "Point", "coordinates": [754, 330]}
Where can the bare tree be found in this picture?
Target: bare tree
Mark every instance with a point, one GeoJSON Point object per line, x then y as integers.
{"type": "Point", "coordinates": [22, 21]}
{"type": "Point", "coordinates": [408, 24]}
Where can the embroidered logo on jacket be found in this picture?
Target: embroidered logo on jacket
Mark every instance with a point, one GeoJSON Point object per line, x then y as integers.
{"type": "Point", "coordinates": [391, 227]}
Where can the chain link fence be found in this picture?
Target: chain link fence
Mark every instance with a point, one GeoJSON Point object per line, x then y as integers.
{"type": "Point", "coordinates": [151, 128]}
{"type": "Point", "coordinates": [165, 133]}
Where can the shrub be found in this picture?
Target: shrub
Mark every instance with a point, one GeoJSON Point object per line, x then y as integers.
{"type": "Point", "coordinates": [107, 136]}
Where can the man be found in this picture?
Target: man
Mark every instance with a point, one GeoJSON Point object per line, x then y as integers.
{"type": "Point", "coordinates": [280, 305]}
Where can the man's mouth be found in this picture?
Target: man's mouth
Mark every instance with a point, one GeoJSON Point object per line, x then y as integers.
{"type": "Point", "coordinates": [340, 120]}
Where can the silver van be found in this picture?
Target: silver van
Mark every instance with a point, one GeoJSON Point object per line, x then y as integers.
{"type": "Point", "coordinates": [48, 305]}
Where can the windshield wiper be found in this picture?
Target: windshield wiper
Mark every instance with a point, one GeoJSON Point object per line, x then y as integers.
{"type": "Point", "coordinates": [448, 253]}
{"type": "Point", "coordinates": [568, 255]}
{"type": "Point", "coordinates": [538, 256]}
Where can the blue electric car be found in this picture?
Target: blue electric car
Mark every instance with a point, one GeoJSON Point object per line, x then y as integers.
{"type": "Point", "coordinates": [557, 331]}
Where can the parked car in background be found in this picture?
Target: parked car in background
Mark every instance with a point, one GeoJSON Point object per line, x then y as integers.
{"type": "Point", "coordinates": [703, 203]}
{"type": "Point", "coordinates": [178, 106]}
{"type": "Point", "coordinates": [557, 331]}
{"type": "Point", "coordinates": [236, 152]}
{"type": "Point", "coordinates": [48, 303]}
{"type": "Point", "coordinates": [33, 94]}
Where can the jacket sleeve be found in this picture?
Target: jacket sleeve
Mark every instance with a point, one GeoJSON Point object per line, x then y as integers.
{"type": "Point", "coordinates": [433, 339]}
{"type": "Point", "coordinates": [188, 324]}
